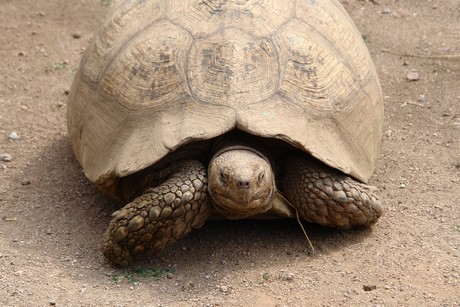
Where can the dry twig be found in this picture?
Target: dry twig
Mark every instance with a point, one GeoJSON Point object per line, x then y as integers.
{"type": "Point", "coordinates": [299, 222]}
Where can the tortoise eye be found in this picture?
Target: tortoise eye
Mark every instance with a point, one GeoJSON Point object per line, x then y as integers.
{"type": "Point", "coordinates": [223, 177]}
{"type": "Point", "coordinates": [261, 177]}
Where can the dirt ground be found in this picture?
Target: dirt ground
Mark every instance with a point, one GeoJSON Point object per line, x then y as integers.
{"type": "Point", "coordinates": [52, 219]}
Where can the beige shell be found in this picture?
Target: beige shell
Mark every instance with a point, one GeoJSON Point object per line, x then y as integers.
{"type": "Point", "coordinates": [160, 74]}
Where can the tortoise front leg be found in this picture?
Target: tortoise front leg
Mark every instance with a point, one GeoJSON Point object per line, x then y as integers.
{"type": "Point", "coordinates": [325, 196]}
{"type": "Point", "coordinates": [160, 216]}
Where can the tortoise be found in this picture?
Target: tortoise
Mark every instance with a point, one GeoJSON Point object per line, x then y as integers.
{"type": "Point", "coordinates": [189, 110]}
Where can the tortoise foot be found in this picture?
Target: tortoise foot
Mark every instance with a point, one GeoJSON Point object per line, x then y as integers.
{"type": "Point", "coordinates": [160, 216]}
{"type": "Point", "coordinates": [323, 195]}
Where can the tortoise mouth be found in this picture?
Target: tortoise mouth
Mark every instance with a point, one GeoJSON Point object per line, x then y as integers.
{"type": "Point", "coordinates": [240, 207]}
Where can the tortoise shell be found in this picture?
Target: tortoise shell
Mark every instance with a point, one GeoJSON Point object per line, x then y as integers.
{"type": "Point", "coordinates": [161, 74]}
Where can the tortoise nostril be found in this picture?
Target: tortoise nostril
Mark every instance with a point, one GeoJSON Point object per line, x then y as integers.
{"type": "Point", "coordinates": [244, 184]}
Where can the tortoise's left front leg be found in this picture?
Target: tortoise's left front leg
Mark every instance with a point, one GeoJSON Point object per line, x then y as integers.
{"type": "Point", "coordinates": [325, 196]}
{"type": "Point", "coordinates": [160, 216]}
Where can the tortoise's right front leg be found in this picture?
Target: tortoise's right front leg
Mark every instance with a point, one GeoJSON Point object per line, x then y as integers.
{"type": "Point", "coordinates": [160, 216]}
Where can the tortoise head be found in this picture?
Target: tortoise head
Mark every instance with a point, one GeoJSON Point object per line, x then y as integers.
{"type": "Point", "coordinates": [241, 182]}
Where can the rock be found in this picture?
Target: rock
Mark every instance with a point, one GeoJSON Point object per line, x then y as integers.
{"type": "Point", "coordinates": [14, 136]}
{"type": "Point", "coordinates": [289, 276]}
{"type": "Point", "coordinates": [223, 289]}
{"type": "Point", "coordinates": [76, 35]}
{"type": "Point", "coordinates": [412, 75]}
{"type": "Point", "coordinates": [369, 287]}
{"type": "Point", "coordinates": [421, 98]}
{"type": "Point", "coordinates": [386, 10]}
{"type": "Point", "coordinates": [26, 182]}
{"type": "Point", "coordinates": [5, 157]}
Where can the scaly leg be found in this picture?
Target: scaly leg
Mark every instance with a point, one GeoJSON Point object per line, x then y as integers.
{"type": "Point", "coordinates": [160, 216]}
{"type": "Point", "coordinates": [325, 196]}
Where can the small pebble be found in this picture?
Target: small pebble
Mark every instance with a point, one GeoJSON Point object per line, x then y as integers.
{"type": "Point", "coordinates": [386, 10]}
{"type": "Point", "coordinates": [289, 276]}
{"type": "Point", "coordinates": [421, 98]}
{"type": "Point", "coordinates": [5, 157]}
{"type": "Point", "coordinates": [412, 76]}
{"type": "Point", "coordinates": [369, 287]}
{"type": "Point", "coordinates": [26, 182]}
{"type": "Point", "coordinates": [21, 53]}
{"type": "Point", "coordinates": [76, 35]}
{"type": "Point", "coordinates": [52, 303]}
{"type": "Point", "coordinates": [223, 289]}
{"type": "Point", "coordinates": [170, 275]}
{"type": "Point", "coordinates": [402, 186]}
{"type": "Point", "coordinates": [67, 92]}
{"type": "Point", "coordinates": [14, 136]}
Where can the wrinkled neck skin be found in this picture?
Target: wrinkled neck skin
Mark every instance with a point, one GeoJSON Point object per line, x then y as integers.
{"type": "Point", "coordinates": [241, 181]}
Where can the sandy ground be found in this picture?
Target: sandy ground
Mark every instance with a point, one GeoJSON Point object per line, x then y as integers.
{"type": "Point", "coordinates": [52, 219]}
